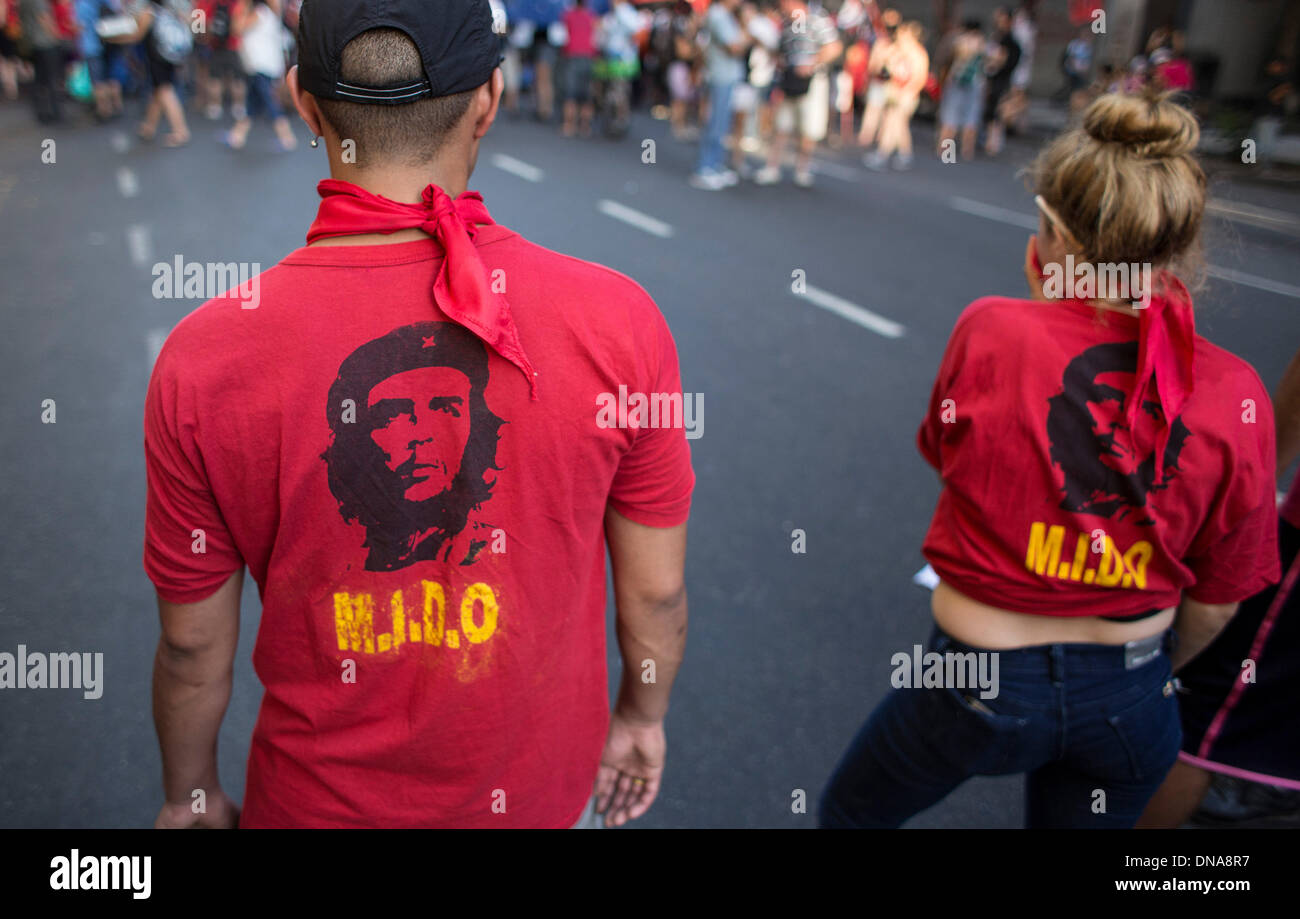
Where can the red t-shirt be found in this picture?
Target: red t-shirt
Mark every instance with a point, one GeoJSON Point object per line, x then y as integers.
{"type": "Point", "coordinates": [581, 25]}
{"type": "Point", "coordinates": [1048, 508]}
{"type": "Point", "coordinates": [453, 549]}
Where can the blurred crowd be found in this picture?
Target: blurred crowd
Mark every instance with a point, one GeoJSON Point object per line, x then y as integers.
{"type": "Point", "coordinates": [741, 77]}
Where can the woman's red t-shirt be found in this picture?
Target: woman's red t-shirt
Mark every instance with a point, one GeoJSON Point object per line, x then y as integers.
{"type": "Point", "coordinates": [1051, 505]}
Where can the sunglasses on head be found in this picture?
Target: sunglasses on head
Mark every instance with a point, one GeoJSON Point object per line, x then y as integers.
{"type": "Point", "coordinates": [1055, 220]}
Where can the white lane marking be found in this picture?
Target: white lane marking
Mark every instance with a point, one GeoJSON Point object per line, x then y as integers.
{"type": "Point", "coordinates": [127, 183]}
{"type": "Point", "coordinates": [1241, 212]}
{"type": "Point", "coordinates": [153, 340]}
{"type": "Point", "coordinates": [517, 167]}
{"type": "Point", "coordinates": [993, 212]}
{"type": "Point", "coordinates": [1251, 280]}
{"type": "Point", "coordinates": [137, 241]}
{"type": "Point", "coordinates": [1016, 219]}
{"type": "Point", "coordinates": [634, 218]}
{"type": "Point", "coordinates": [852, 312]}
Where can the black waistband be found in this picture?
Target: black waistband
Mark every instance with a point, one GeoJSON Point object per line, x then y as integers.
{"type": "Point", "coordinates": [1136, 617]}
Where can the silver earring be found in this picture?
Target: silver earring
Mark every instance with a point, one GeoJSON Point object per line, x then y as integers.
{"type": "Point", "coordinates": [315, 141]}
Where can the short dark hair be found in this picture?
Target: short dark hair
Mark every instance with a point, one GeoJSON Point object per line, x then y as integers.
{"type": "Point", "coordinates": [410, 133]}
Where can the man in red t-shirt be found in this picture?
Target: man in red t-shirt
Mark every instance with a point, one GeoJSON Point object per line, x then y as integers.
{"type": "Point", "coordinates": [398, 429]}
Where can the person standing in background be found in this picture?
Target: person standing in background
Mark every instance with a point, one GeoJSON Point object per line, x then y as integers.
{"type": "Point", "coordinates": [1025, 32]}
{"type": "Point", "coordinates": [261, 53]}
{"type": "Point", "coordinates": [225, 70]}
{"type": "Point", "coordinates": [809, 43]}
{"type": "Point", "coordinates": [963, 92]}
{"type": "Point", "coordinates": [164, 30]}
{"type": "Point", "coordinates": [41, 38]}
{"type": "Point", "coordinates": [878, 77]}
{"type": "Point", "coordinates": [725, 54]}
{"type": "Point", "coordinates": [1004, 58]}
{"type": "Point", "coordinates": [909, 70]}
{"type": "Point", "coordinates": [579, 57]}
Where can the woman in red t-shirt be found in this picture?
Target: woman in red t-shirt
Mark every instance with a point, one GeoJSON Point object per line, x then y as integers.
{"type": "Point", "coordinates": [1108, 486]}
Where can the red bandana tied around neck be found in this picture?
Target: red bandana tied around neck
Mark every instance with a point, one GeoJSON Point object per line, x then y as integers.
{"type": "Point", "coordinates": [461, 287]}
{"type": "Point", "coordinates": [1166, 344]}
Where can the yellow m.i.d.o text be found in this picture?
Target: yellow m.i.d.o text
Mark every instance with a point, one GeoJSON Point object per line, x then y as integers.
{"type": "Point", "coordinates": [354, 619]}
{"type": "Point", "coordinates": [1113, 568]}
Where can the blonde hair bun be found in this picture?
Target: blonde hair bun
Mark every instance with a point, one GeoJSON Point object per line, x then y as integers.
{"type": "Point", "coordinates": [1148, 125]}
{"type": "Point", "coordinates": [1126, 182]}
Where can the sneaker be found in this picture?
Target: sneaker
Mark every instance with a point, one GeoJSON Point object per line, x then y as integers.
{"type": "Point", "coordinates": [902, 163]}
{"type": "Point", "coordinates": [707, 181]}
{"type": "Point", "coordinates": [768, 175]}
{"type": "Point", "coordinates": [875, 160]}
{"type": "Point", "coordinates": [212, 113]}
{"type": "Point", "coordinates": [238, 112]}
{"type": "Point", "coordinates": [729, 178]}
{"type": "Point", "coordinates": [803, 178]}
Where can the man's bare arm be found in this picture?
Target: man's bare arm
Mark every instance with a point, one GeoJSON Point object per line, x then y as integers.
{"type": "Point", "coordinates": [1197, 625]}
{"type": "Point", "coordinates": [191, 689]}
{"type": "Point", "coordinates": [650, 593]}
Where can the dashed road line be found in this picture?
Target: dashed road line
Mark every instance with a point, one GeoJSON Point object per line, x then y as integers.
{"type": "Point", "coordinates": [634, 218]}
{"type": "Point", "coordinates": [1233, 276]}
{"type": "Point", "coordinates": [139, 244]}
{"type": "Point", "coordinates": [1266, 217]}
{"type": "Point", "coordinates": [993, 212]}
{"type": "Point", "coordinates": [127, 183]}
{"type": "Point", "coordinates": [154, 340]}
{"type": "Point", "coordinates": [525, 171]}
{"type": "Point", "coordinates": [851, 311]}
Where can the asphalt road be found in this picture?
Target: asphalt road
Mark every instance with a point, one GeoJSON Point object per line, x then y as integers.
{"type": "Point", "coordinates": [810, 417]}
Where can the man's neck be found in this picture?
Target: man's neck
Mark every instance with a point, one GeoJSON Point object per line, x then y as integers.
{"type": "Point", "coordinates": [402, 185]}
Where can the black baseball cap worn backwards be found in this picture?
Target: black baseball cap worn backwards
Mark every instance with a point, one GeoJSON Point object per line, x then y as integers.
{"type": "Point", "coordinates": [457, 46]}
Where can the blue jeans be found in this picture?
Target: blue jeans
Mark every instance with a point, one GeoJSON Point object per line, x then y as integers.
{"type": "Point", "coordinates": [1095, 738]}
{"type": "Point", "coordinates": [261, 97]}
{"type": "Point", "coordinates": [712, 153]}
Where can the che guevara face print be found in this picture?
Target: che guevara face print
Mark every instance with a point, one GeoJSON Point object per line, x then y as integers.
{"type": "Point", "coordinates": [1091, 443]}
{"type": "Point", "coordinates": [414, 461]}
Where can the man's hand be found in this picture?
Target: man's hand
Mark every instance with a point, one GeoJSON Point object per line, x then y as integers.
{"type": "Point", "coordinates": [630, 768]}
{"type": "Point", "coordinates": [221, 813]}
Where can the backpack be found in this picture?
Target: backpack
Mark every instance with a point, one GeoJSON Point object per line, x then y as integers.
{"type": "Point", "coordinates": [172, 38]}
{"type": "Point", "coordinates": [970, 70]}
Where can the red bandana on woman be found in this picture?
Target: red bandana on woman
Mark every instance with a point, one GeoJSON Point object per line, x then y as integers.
{"type": "Point", "coordinates": [461, 287]}
{"type": "Point", "coordinates": [1166, 343]}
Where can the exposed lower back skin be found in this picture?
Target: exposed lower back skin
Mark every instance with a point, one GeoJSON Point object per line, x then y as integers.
{"type": "Point", "coordinates": [982, 626]}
